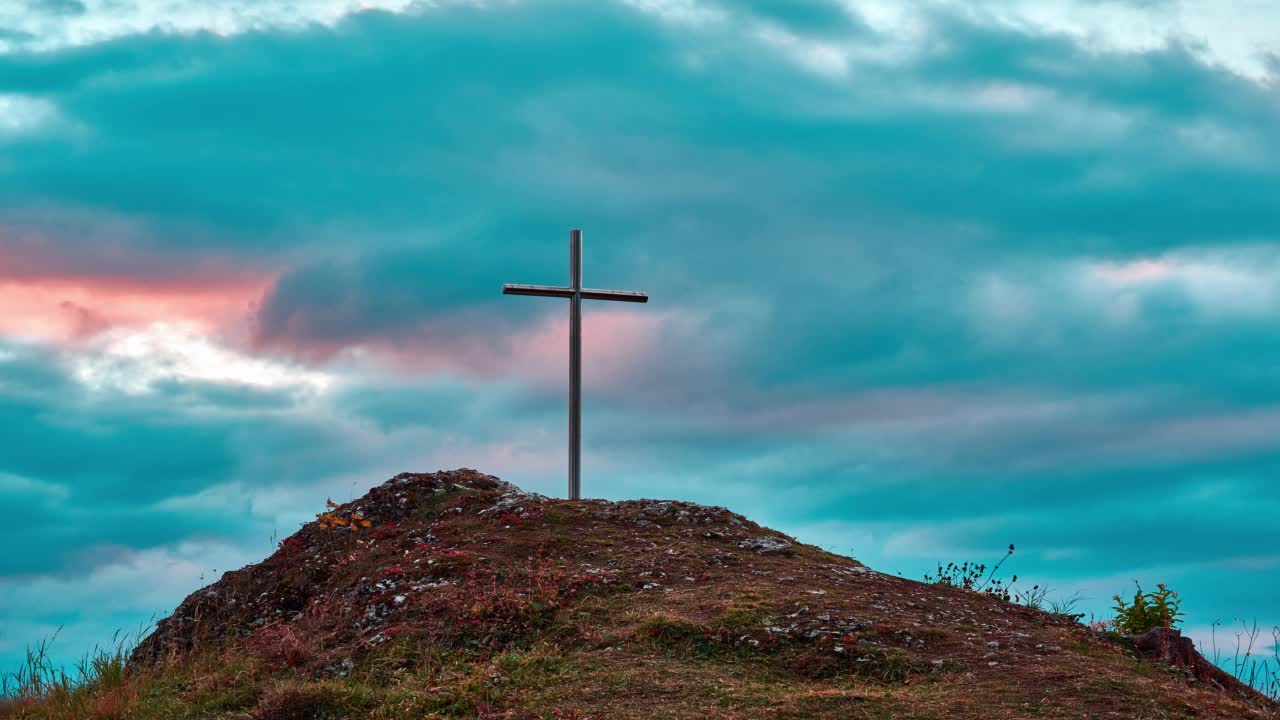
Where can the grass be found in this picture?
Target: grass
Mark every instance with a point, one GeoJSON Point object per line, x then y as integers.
{"type": "Point", "coordinates": [1254, 660]}
{"type": "Point", "coordinates": [401, 681]}
{"type": "Point", "coordinates": [578, 611]}
{"type": "Point", "coordinates": [98, 674]}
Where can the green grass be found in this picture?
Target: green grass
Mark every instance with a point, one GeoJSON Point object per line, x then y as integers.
{"type": "Point", "coordinates": [39, 679]}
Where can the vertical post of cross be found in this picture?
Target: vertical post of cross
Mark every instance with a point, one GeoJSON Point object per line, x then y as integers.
{"type": "Point", "coordinates": [575, 365]}
{"type": "Point", "coordinates": [576, 294]}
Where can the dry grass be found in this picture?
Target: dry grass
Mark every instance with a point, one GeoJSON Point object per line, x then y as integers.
{"type": "Point", "coordinates": [557, 610]}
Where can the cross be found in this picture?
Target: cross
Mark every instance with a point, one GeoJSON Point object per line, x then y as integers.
{"type": "Point", "coordinates": [576, 294]}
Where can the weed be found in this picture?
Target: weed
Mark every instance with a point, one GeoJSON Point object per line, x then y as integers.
{"type": "Point", "coordinates": [1066, 607]}
{"type": "Point", "coordinates": [976, 577]}
{"type": "Point", "coordinates": [1148, 610]}
{"type": "Point", "coordinates": [1034, 597]}
{"type": "Point", "coordinates": [1255, 663]}
{"type": "Point", "coordinates": [40, 678]}
{"type": "Point", "coordinates": [969, 576]}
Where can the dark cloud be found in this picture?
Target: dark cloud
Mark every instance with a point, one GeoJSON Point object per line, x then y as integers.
{"type": "Point", "coordinates": [876, 284]}
{"type": "Point", "coordinates": [811, 17]}
{"type": "Point", "coordinates": [92, 468]}
{"type": "Point", "coordinates": [61, 7]}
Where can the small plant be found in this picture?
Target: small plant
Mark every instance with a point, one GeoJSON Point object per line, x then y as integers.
{"type": "Point", "coordinates": [1034, 598]}
{"type": "Point", "coordinates": [1148, 611]}
{"type": "Point", "coordinates": [331, 519]}
{"type": "Point", "coordinates": [1066, 607]}
{"type": "Point", "coordinates": [976, 577]}
{"type": "Point", "coordinates": [967, 575]}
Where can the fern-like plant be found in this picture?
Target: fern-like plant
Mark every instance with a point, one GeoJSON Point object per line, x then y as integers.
{"type": "Point", "coordinates": [1148, 610]}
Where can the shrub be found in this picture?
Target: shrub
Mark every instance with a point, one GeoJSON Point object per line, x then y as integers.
{"type": "Point", "coordinates": [1148, 610]}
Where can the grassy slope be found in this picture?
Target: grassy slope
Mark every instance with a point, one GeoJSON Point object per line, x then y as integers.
{"type": "Point", "coordinates": [469, 599]}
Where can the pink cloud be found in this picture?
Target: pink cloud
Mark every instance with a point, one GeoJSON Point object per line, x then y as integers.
{"type": "Point", "coordinates": [541, 454]}
{"type": "Point", "coordinates": [613, 342]}
{"type": "Point", "coordinates": [1252, 429]}
{"type": "Point", "coordinates": [65, 309]}
{"type": "Point", "coordinates": [479, 345]}
{"type": "Point", "coordinates": [1135, 271]}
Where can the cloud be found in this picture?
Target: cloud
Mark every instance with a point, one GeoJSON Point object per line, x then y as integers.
{"type": "Point", "coordinates": [88, 463]}
{"type": "Point", "coordinates": [121, 594]}
{"type": "Point", "coordinates": [46, 25]}
{"type": "Point", "coordinates": [926, 278]}
{"type": "Point", "coordinates": [24, 116]}
{"type": "Point", "coordinates": [68, 309]}
{"type": "Point", "coordinates": [135, 361]}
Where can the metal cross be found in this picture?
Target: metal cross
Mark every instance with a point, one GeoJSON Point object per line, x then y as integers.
{"type": "Point", "coordinates": [576, 294]}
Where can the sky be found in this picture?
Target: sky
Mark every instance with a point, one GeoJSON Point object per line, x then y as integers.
{"type": "Point", "coordinates": [927, 278]}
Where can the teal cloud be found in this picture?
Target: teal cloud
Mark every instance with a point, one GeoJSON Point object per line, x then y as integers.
{"type": "Point", "coordinates": [879, 287]}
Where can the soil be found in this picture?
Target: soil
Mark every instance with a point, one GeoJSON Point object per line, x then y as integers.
{"type": "Point", "coordinates": [652, 609]}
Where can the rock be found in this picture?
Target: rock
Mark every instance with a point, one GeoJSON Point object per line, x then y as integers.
{"type": "Point", "coordinates": [341, 668]}
{"type": "Point", "coordinates": [1168, 646]}
{"type": "Point", "coordinates": [764, 544]}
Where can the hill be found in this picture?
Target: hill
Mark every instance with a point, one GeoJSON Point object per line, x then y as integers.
{"type": "Point", "coordinates": [455, 594]}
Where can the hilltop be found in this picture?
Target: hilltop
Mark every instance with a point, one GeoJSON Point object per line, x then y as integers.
{"type": "Point", "coordinates": [456, 594]}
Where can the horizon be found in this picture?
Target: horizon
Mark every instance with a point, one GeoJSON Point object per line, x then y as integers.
{"type": "Point", "coordinates": [929, 279]}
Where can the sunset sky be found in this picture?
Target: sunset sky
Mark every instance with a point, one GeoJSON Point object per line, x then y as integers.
{"type": "Point", "coordinates": [927, 278]}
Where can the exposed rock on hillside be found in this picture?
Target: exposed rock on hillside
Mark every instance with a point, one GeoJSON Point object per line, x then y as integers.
{"type": "Point", "coordinates": [468, 596]}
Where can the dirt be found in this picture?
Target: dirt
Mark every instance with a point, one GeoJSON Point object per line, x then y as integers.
{"type": "Point", "coordinates": [663, 602]}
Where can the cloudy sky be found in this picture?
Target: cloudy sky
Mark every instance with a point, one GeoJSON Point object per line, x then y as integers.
{"type": "Point", "coordinates": [928, 278]}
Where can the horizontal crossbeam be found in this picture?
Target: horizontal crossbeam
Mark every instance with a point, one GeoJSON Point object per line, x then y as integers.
{"type": "Point", "coordinates": [619, 295]}
{"type": "Point", "coordinates": [539, 290]}
{"type": "Point", "coordinates": [564, 292]}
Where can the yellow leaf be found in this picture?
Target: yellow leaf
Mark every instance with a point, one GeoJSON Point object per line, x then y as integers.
{"type": "Point", "coordinates": [330, 503]}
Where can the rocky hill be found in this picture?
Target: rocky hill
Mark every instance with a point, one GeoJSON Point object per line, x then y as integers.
{"type": "Point", "coordinates": [455, 594]}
